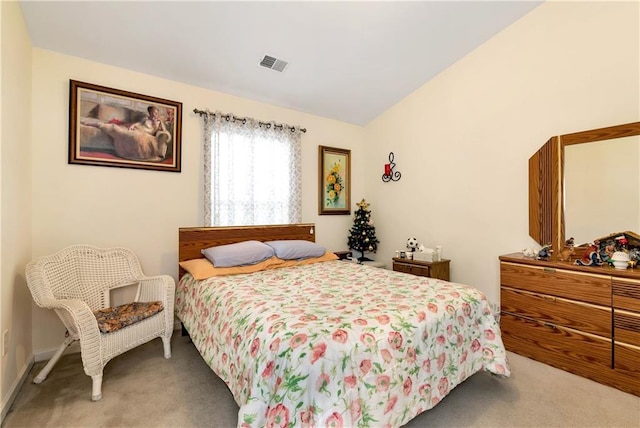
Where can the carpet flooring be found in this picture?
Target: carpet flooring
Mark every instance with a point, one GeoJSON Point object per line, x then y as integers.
{"type": "Point", "coordinates": [142, 389]}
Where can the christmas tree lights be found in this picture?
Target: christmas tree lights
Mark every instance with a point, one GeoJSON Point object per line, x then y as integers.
{"type": "Point", "coordinates": [362, 236]}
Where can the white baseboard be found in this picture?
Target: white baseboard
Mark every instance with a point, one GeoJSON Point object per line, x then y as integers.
{"type": "Point", "coordinates": [45, 355]}
{"type": "Point", "coordinates": [15, 388]}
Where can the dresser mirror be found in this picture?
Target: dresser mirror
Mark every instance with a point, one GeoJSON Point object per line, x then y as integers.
{"type": "Point", "coordinates": [601, 188]}
{"type": "Point", "coordinates": [587, 184]}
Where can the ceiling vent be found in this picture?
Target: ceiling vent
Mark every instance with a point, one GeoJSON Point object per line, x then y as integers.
{"type": "Point", "coordinates": [273, 63]}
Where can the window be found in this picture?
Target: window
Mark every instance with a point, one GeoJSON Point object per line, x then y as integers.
{"type": "Point", "coordinates": [252, 172]}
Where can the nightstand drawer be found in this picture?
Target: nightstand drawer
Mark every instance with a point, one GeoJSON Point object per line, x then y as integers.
{"type": "Point", "coordinates": [412, 269]}
{"type": "Point", "coordinates": [439, 270]}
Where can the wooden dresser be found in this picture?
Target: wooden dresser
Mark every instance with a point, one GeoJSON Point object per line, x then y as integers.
{"type": "Point", "coordinates": [439, 269]}
{"type": "Point", "coordinates": [585, 320]}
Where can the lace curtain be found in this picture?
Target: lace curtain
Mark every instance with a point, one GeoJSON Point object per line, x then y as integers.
{"type": "Point", "coordinates": [252, 172]}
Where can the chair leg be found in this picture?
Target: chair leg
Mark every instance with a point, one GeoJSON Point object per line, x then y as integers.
{"type": "Point", "coordinates": [53, 360]}
{"type": "Point", "coordinates": [96, 387]}
{"type": "Point", "coordinates": [166, 342]}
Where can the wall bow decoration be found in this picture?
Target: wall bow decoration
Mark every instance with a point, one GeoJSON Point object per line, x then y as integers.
{"type": "Point", "coordinates": [389, 173]}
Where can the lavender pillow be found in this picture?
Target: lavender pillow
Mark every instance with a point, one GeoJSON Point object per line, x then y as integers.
{"type": "Point", "coordinates": [293, 249]}
{"type": "Point", "coordinates": [239, 254]}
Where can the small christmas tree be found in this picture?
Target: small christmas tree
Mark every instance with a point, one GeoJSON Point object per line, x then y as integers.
{"type": "Point", "coordinates": [362, 236]}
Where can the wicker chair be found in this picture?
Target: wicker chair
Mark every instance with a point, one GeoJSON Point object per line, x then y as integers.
{"type": "Point", "coordinates": [77, 281]}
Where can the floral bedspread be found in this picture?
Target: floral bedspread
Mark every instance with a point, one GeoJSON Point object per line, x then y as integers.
{"type": "Point", "coordinates": [337, 343]}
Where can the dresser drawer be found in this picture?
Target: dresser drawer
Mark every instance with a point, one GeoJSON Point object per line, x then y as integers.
{"type": "Point", "coordinates": [578, 315]}
{"type": "Point", "coordinates": [582, 354]}
{"type": "Point", "coordinates": [626, 294]}
{"type": "Point", "coordinates": [626, 327]}
{"type": "Point", "coordinates": [627, 368]}
{"type": "Point", "coordinates": [557, 282]}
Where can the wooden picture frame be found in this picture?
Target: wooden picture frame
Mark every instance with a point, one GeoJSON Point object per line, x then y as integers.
{"type": "Point", "coordinates": [116, 128]}
{"type": "Point", "coordinates": [334, 194]}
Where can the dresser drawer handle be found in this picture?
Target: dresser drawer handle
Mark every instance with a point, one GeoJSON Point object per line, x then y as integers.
{"type": "Point", "coordinates": [550, 270]}
{"type": "Point", "coordinates": [549, 298]}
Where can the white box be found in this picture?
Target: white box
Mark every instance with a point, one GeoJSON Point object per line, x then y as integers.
{"type": "Point", "coordinates": [423, 256]}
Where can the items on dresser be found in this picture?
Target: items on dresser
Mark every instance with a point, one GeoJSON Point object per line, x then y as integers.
{"type": "Point", "coordinates": [582, 319]}
{"type": "Point", "coordinates": [439, 269]}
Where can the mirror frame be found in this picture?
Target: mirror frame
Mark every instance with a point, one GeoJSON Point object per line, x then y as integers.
{"type": "Point", "coordinates": [546, 182]}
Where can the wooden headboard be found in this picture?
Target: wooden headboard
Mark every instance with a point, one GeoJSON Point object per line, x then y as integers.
{"type": "Point", "coordinates": [193, 239]}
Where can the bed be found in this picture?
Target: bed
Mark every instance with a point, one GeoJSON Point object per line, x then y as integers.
{"type": "Point", "coordinates": [331, 342]}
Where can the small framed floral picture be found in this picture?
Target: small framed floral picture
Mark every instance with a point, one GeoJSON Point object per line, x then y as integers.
{"type": "Point", "coordinates": [334, 166]}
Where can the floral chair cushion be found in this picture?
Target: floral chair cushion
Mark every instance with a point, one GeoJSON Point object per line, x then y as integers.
{"type": "Point", "coordinates": [113, 319]}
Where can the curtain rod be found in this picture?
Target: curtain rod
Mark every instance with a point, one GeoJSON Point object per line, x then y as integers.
{"type": "Point", "coordinates": [244, 119]}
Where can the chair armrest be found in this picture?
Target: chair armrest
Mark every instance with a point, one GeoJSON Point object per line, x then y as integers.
{"type": "Point", "coordinates": [77, 310]}
{"type": "Point", "coordinates": [152, 288]}
{"type": "Point", "coordinates": [82, 324]}
{"type": "Point", "coordinates": [160, 287]}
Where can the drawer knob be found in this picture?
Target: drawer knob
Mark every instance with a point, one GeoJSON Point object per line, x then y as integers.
{"type": "Point", "coordinates": [550, 270]}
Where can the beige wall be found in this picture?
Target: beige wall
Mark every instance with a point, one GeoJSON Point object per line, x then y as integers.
{"type": "Point", "coordinates": [462, 141]}
{"type": "Point", "coordinates": [141, 209]}
{"type": "Point", "coordinates": [15, 184]}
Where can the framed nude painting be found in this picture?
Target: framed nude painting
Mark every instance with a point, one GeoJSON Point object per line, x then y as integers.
{"type": "Point", "coordinates": [335, 180]}
{"type": "Point", "coordinates": [112, 127]}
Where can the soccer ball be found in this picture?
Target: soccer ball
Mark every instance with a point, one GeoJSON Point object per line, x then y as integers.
{"type": "Point", "coordinates": [412, 244]}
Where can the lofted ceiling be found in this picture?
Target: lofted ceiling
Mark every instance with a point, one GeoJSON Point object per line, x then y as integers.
{"type": "Point", "coordinates": [348, 61]}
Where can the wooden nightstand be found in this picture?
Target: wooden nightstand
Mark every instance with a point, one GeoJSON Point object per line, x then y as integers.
{"type": "Point", "coordinates": [343, 255]}
{"type": "Point", "coordinates": [346, 255]}
{"type": "Point", "coordinates": [439, 270]}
